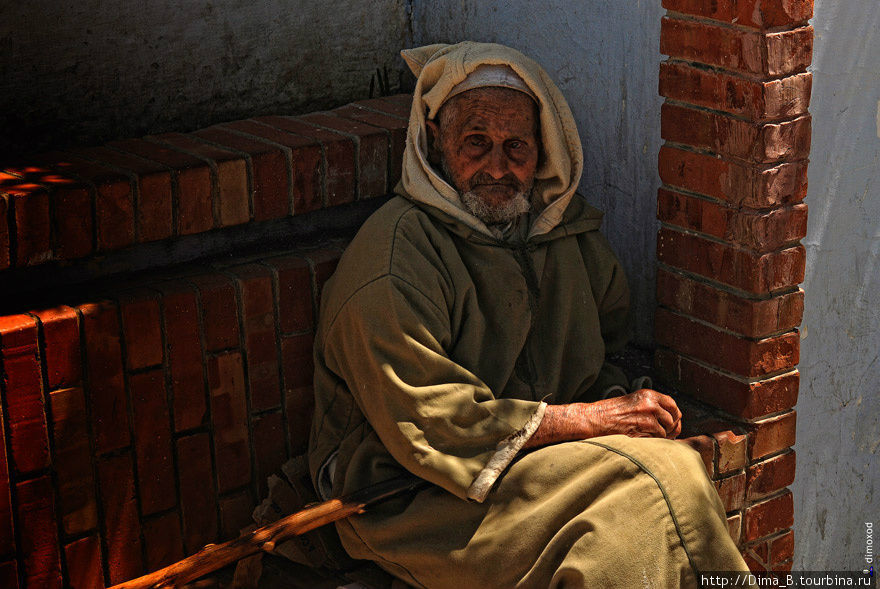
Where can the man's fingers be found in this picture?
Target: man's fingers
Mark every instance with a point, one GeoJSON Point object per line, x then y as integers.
{"type": "Point", "coordinates": [668, 403]}
{"type": "Point", "coordinates": [665, 420]}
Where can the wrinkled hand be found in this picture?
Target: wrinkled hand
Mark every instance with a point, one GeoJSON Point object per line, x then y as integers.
{"type": "Point", "coordinates": [645, 413]}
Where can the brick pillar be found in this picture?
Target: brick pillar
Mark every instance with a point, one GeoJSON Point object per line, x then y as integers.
{"type": "Point", "coordinates": [733, 167]}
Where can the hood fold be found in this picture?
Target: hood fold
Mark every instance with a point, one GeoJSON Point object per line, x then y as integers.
{"type": "Point", "coordinates": [439, 68]}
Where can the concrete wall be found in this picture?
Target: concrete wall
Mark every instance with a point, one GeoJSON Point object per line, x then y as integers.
{"type": "Point", "coordinates": [84, 72]}
{"type": "Point", "coordinates": [837, 486]}
{"type": "Point", "coordinates": [604, 57]}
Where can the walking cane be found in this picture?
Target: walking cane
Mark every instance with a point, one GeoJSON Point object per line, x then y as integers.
{"type": "Point", "coordinates": [216, 556]}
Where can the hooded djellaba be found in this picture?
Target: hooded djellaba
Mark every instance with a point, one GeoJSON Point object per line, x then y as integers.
{"type": "Point", "coordinates": [441, 341]}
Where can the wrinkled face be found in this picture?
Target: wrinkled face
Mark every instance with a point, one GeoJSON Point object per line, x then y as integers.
{"type": "Point", "coordinates": [487, 145]}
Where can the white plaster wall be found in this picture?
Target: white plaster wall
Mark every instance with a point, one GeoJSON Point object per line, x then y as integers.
{"type": "Point", "coordinates": [604, 56]}
{"type": "Point", "coordinates": [82, 72]}
{"type": "Point", "coordinates": [837, 484]}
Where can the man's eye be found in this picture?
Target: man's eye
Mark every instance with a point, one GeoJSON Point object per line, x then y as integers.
{"type": "Point", "coordinates": [477, 141]}
{"type": "Point", "coordinates": [515, 144]}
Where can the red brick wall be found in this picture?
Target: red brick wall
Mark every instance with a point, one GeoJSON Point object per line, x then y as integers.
{"type": "Point", "coordinates": [141, 423]}
{"type": "Point", "coordinates": [733, 167]}
{"type": "Point", "coordinates": [75, 205]}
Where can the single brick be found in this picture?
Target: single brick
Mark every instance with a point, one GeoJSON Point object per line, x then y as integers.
{"type": "Point", "coordinates": [72, 216]}
{"type": "Point", "coordinates": [768, 517]}
{"type": "Point", "coordinates": [121, 528]}
{"type": "Point", "coordinates": [771, 435]}
{"type": "Point", "coordinates": [192, 183]}
{"type": "Point", "coordinates": [732, 491]}
{"type": "Point", "coordinates": [84, 563]}
{"type": "Point", "coordinates": [734, 525]}
{"type": "Point", "coordinates": [73, 466]}
{"type": "Point", "coordinates": [114, 199]}
{"type": "Point", "coordinates": [726, 136]}
{"type": "Point", "coordinates": [229, 412]}
{"type": "Point", "coordinates": [756, 186]}
{"type": "Point", "coordinates": [152, 181]}
{"type": "Point", "coordinates": [40, 557]}
{"type": "Point", "coordinates": [152, 441]}
{"type": "Point", "coordinates": [372, 147]}
{"type": "Point", "coordinates": [181, 320]}
{"type": "Point", "coordinates": [748, 13]}
{"type": "Point", "coordinates": [339, 156]}
{"type": "Point", "coordinates": [706, 447]}
{"type": "Point", "coordinates": [771, 475]}
{"type": "Point", "coordinates": [142, 330]}
{"type": "Point", "coordinates": [395, 127]}
{"type": "Point", "coordinates": [305, 162]}
{"type": "Point", "coordinates": [7, 529]}
{"type": "Point", "coordinates": [18, 333]}
{"type": "Point", "coordinates": [31, 223]}
{"type": "Point", "coordinates": [729, 352]}
{"type": "Point", "coordinates": [163, 540]}
{"type": "Point", "coordinates": [22, 388]}
{"type": "Point", "coordinates": [197, 491]}
{"type": "Point", "coordinates": [106, 389]}
{"type": "Point", "coordinates": [270, 172]}
{"type": "Point", "coordinates": [760, 231]}
{"type": "Point", "coordinates": [61, 350]}
{"type": "Point", "coordinates": [399, 105]}
{"type": "Point", "coordinates": [742, 269]}
{"type": "Point", "coordinates": [782, 548]}
{"type": "Point", "coordinates": [258, 314]}
{"type": "Point", "coordinates": [748, 317]}
{"type": "Point", "coordinates": [738, 396]}
{"type": "Point", "coordinates": [295, 306]}
{"type": "Point", "coordinates": [270, 447]}
{"type": "Point", "coordinates": [765, 54]}
{"type": "Point", "coordinates": [232, 202]}
{"type": "Point", "coordinates": [756, 100]}
{"type": "Point", "coordinates": [219, 311]}
{"type": "Point", "coordinates": [731, 451]}
{"type": "Point", "coordinates": [298, 365]}
{"type": "Point", "coordinates": [235, 514]}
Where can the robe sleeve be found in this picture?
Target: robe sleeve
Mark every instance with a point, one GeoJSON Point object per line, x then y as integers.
{"type": "Point", "coordinates": [437, 419]}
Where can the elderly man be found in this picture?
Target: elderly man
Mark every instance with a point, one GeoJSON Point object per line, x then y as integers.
{"type": "Point", "coordinates": [463, 340]}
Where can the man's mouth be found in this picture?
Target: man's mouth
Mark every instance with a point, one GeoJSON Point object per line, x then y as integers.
{"type": "Point", "coordinates": [496, 186]}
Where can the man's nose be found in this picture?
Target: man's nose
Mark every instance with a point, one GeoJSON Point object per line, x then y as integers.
{"type": "Point", "coordinates": [498, 164]}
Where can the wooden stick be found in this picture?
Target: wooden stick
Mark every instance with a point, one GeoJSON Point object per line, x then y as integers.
{"type": "Point", "coordinates": [216, 556]}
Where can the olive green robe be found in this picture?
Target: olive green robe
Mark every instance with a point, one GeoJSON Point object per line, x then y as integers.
{"type": "Point", "coordinates": [438, 346]}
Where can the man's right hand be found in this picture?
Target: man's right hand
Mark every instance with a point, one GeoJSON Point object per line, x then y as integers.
{"type": "Point", "coordinates": [645, 413]}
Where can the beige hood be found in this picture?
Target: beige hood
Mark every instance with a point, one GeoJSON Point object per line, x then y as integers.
{"type": "Point", "coordinates": [438, 69]}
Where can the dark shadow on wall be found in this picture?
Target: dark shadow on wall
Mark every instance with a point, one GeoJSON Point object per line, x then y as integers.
{"type": "Point", "coordinates": [82, 74]}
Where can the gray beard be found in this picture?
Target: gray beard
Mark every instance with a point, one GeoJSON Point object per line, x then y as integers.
{"type": "Point", "coordinates": [504, 213]}
{"type": "Point", "coordinates": [518, 205]}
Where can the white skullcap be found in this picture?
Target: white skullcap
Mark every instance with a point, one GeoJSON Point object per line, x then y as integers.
{"type": "Point", "coordinates": [491, 76]}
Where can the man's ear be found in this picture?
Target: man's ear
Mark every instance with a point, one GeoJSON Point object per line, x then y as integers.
{"type": "Point", "coordinates": [434, 148]}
